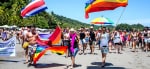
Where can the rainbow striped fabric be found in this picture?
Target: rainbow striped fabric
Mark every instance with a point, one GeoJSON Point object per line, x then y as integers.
{"type": "Point", "coordinates": [102, 5]}
{"type": "Point", "coordinates": [56, 36]}
{"type": "Point", "coordinates": [41, 50]}
{"type": "Point", "coordinates": [53, 39]}
{"type": "Point", "coordinates": [102, 20]}
{"type": "Point", "coordinates": [48, 44]}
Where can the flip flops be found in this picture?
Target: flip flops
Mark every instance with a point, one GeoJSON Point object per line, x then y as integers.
{"type": "Point", "coordinates": [26, 62]}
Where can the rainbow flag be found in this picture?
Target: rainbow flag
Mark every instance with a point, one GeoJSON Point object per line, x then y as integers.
{"type": "Point", "coordinates": [56, 36]}
{"type": "Point", "coordinates": [48, 44]}
{"type": "Point", "coordinates": [102, 5]}
{"type": "Point", "coordinates": [60, 50]}
{"type": "Point", "coordinates": [43, 42]}
{"type": "Point", "coordinates": [53, 39]}
{"type": "Point", "coordinates": [44, 36]}
{"type": "Point", "coordinates": [41, 50]}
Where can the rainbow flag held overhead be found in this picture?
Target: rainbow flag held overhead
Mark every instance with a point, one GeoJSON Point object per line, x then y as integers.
{"type": "Point", "coordinates": [56, 36]}
{"type": "Point", "coordinates": [102, 5]}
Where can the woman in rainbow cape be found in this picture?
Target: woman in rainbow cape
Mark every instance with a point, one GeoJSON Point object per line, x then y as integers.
{"type": "Point", "coordinates": [74, 46]}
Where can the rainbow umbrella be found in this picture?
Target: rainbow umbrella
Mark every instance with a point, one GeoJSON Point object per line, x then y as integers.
{"type": "Point", "coordinates": [102, 20]}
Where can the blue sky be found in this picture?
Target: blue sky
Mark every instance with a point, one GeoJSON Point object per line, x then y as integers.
{"type": "Point", "coordinates": [137, 11]}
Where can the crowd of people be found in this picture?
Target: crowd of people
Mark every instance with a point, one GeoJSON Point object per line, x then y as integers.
{"type": "Point", "coordinates": [110, 40]}
{"type": "Point", "coordinates": [79, 40]}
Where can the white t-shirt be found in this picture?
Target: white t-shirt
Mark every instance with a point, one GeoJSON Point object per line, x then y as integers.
{"type": "Point", "coordinates": [117, 38]}
{"type": "Point", "coordinates": [66, 36]}
{"type": "Point", "coordinates": [104, 40]}
{"type": "Point", "coordinates": [25, 32]}
{"type": "Point", "coordinates": [98, 35]}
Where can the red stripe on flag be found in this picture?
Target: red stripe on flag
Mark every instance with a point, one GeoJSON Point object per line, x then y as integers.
{"type": "Point", "coordinates": [31, 7]}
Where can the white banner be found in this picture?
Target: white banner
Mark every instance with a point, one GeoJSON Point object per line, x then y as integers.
{"type": "Point", "coordinates": [7, 48]}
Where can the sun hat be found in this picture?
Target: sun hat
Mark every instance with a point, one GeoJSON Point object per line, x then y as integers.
{"type": "Point", "coordinates": [91, 27]}
{"type": "Point", "coordinates": [72, 29]}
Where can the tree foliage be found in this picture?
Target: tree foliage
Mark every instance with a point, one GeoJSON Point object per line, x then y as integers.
{"type": "Point", "coordinates": [124, 26]}
{"type": "Point", "coordinates": [137, 26]}
{"type": "Point", "coordinates": [10, 15]}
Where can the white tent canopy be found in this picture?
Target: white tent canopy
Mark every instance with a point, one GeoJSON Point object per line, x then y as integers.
{"type": "Point", "coordinates": [14, 26]}
{"type": "Point", "coordinates": [6, 26]}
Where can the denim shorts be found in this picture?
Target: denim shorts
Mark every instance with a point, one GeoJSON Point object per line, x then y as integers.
{"type": "Point", "coordinates": [147, 40]}
{"type": "Point", "coordinates": [104, 49]}
{"type": "Point", "coordinates": [87, 39]}
{"type": "Point", "coordinates": [75, 52]}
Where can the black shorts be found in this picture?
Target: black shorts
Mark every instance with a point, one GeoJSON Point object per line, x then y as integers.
{"type": "Point", "coordinates": [66, 42]}
{"type": "Point", "coordinates": [140, 41]}
{"type": "Point", "coordinates": [118, 44]}
{"type": "Point", "coordinates": [92, 42]}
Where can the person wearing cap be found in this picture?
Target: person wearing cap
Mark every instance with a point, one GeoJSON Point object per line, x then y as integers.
{"type": "Point", "coordinates": [92, 39]}
{"type": "Point", "coordinates": [73, 46]}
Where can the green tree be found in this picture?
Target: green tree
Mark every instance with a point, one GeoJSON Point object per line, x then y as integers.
{"type": "Point", "coordinates": [123, 26]}
{"type": "Point", "coordinates": [137, 26]}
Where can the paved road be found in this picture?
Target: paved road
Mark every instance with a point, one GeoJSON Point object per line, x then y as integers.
{"type": "Point", "coordinates": [127, 60]}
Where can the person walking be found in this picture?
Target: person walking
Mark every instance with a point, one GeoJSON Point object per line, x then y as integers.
{"type": "Point", "coordinates": [82, 40]}
{"type": "Point", "coordinates": [74, 46]}
{"type": "Point", "coordinates": [25, 42]}
{"type": "Point", "coordinates": [117, 41]}
{"type": "Point", "coordinates": [66, 41]}
{"type": "Point", "coordinates": [104, 45]}
{"type": "Point", "coordinates": [31, 37]}
{"type": "Point", "coordinates": [134, 40]}
{"type": "Point", "coordinates": [92, 40]}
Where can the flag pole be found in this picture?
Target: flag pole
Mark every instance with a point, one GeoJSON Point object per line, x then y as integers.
{"type": "Point", "coordinates": [120, 16]}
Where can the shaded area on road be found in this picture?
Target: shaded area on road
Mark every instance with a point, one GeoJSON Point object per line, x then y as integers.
{"type": "Point", "coordinates": [43, 65]}
{"type": "Point", "coordinates": [99, 63]}
{"type": "Point", "coordinates": [14, 61]}
{"type": "Point", "coordinates": [107, 66]}
{"type": "Point", "coordinates": [76, 66]}
{"type": "Point", "coordinates": [98, 67]}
